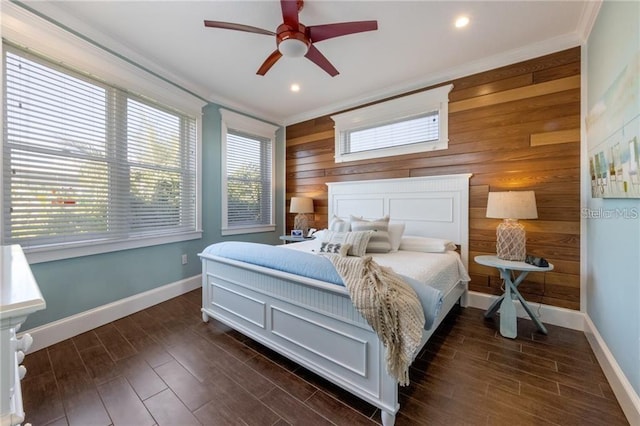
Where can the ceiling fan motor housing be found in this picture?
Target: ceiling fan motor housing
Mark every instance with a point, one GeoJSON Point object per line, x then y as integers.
{"type": "Point", "coordinates": [293, 39]}
{"type": "Point", "coordinates": [292, 42]}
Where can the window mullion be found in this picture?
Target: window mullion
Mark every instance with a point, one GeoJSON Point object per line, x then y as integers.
{"type": "Point", "coordinates": [89, 164]}
{"type": "Point", "coordinates": [119, 185]}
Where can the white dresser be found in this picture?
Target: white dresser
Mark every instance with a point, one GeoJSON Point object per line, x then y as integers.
{"type": "Point", "coordinates": [19, 297]}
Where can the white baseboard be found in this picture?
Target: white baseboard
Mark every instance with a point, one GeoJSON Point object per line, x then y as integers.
{"type": "Point", "coordinates": [65, 328]}
{"type": "Point", "coordinates": [626, 395]}
{"type": "Point", "coordinates": [576, 320]}
{"type": "Point", "coordinates": [548, 314]}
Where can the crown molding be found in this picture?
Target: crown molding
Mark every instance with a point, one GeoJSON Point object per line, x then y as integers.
{"type": "Point", "coordinates": [78, 46]}
{"type": "Point", "coordinates": [506, 58]}
{"type": "Point", "coordinates": [588, 18]}
{"type": "Point", "coordinates": [245, 109]}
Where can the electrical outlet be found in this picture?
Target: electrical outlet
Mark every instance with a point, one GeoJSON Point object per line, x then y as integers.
{"type": "Point", "coordinates": [184, 259]}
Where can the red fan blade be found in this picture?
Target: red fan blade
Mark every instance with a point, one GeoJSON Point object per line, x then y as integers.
{"type": "Point", "coordinates": [290, 13]}
{"type": "Point", "coordinates": [268, 63]}
{"type": "Point", "coordinates": [320, 60]}
{"type": "Point", "coordinates": [323, 32]}
{"type": "Point", "coordinates": [237, 27]}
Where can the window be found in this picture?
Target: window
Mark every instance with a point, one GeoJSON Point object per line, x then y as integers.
{"type": "Point", "coordinates": [248, 189]}
{"type": "Point", "coordinates": [86, 163]}
{"type": "Point", "coordinates": [413, 123]}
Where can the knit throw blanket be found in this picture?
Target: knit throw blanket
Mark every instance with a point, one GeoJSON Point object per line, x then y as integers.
{"type": "Point", "coordinates": [390, 306]}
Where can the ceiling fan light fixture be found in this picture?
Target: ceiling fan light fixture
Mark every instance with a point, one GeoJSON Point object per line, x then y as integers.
{"type": "Point", "coordinates": [293, 48]}
{"type": "Point", "coordinates": [294, 39]}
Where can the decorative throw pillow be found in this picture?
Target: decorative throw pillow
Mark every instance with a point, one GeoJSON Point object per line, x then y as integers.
{"type": "Point", "coordinates": [426, 244]}
{"type": "Point", "coordinates": [357, 240]}
{"type": "Point", "coordinates": [334, 248]}
{"type": "Point", "coordinates": [396, 230]}
{"type": "Point", "coordinates": [319, 235]}
{"type": "Point", "coordinates": [379, 241]}
{"type": "Point", "coordinates": [339, 225]}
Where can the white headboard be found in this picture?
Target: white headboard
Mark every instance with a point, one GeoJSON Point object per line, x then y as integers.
{"type": "Point", "coordinates": [430, 206]}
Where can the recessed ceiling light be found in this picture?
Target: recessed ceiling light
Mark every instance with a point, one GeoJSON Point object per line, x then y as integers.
{"type": "Point", "coordinates": [462, 21]}
{"type": "Point", "coordinates": [295, 87]}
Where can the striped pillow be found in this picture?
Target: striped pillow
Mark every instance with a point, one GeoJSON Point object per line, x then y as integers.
{"type": "Point", "coordinates": [339, 225]}
{"type": "Point", "coordinates": [379, 241]}
{"type": "Point", "coordinates": [357, 240]}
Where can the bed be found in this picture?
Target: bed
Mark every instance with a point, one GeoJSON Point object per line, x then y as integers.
{"type": "Point", "coordinates": [313, 322]}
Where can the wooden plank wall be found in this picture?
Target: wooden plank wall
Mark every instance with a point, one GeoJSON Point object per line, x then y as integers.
{"type": "Point", "coordinates": [515, 128]}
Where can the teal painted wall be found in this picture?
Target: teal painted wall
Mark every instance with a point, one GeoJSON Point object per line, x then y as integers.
{"type": "Point", "coordinates": [76, 285]}
{"type": "Point", "coordinates": [613, 243]}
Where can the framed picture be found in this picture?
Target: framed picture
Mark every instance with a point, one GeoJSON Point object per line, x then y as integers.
{"type": "Point", "coordinates": [296, 233]}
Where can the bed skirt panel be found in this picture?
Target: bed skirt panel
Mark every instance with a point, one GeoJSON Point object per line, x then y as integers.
{"type": "Point", "coordinates": [315, 327]}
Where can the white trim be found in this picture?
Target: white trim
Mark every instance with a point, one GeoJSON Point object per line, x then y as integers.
{"type": "Point", "coordinates": [394, 110]}
{"type": "Point", "coordinates": [248, 229]}
{"type": "Point", "coordinates": [585, 178]}
{"type": "Point", "coordinates": [624, 392]}
{"type": "Point", "coordinates": [46, 38]}
{"type": "Point", "coordinates": [507, 58]}
{"type": "Point", "coordinates": [562, 317]}
{"type": "Point", "coordinates": [588, 18]}
{"type": "Point", "coordinates": [60, 46]}
{"type": "Point", "coordinates": [243, 123]}
{"type": "Point", "coordinates": [622, 388]}
{"type": "Point", "coordinates": [65, 328]}
{"type": "Point", "coordinates": [247, 124]}
{"type": "Point", "coordinates": [53, 252]}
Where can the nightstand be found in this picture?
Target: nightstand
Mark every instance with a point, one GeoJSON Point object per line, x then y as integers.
{"type": "Point", "coordinates": [508, 268]}
{"type": "Point", "coordinates": [19, 297]}
{"type": "Point", "coordinates": [291, 239]}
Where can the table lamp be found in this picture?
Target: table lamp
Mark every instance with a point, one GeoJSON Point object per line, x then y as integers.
{"type": "Point", "coordinates": [301, 206]}
{"type": "Point", "coordinates": [511, 206]}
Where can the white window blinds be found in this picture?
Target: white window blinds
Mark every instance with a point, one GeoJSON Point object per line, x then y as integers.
{"type": "Point", "coordinates": [424, 128]}
{"type": "Point", "coordinates": [84, 161]}
{"type": "Point", "coordinates": [405, 125]}
{"type": "Point", "coordinates": [248, 188]}
{"type": "Point", "coordinates": [248, 179]}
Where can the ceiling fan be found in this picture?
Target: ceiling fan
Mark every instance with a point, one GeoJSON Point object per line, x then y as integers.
{"type": "Point", "coordinates": [294, 39]}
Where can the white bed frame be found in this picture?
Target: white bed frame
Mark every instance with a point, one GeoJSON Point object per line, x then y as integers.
{"type": "Point", "coordinates": [314, 323]}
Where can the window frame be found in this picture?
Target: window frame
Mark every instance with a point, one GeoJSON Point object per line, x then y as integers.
{"type": "Point", "coordinates": [56, 44]}
{"type": "Point", "coordinates": [394, 111]}
{"type": "Point", "coordinates": [249, 126]}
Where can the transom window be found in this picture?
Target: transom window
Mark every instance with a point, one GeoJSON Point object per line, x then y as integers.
{"type": "Point", "coordinates": [413, 123]}
{"type": "Point", "coordinates": [88, 163]}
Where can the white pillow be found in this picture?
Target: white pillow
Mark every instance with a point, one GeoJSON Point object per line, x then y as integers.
{"type": "Point", "coordinates": [426, 244]}
{"type": "Point", "coordinates": [339, 225]}
{"type": "Point", "coordinates": [357, 240]}
{"type": "Point", "coordinates": [319, 234]}
{"type": "Point", "coordinates": [379, 241]}
{"type": "Point", "coordinates": [396, 230]}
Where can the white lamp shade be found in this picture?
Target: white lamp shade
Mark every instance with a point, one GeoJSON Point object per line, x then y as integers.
{"type": "Point", "coordinates": [301, 205]}
{"type": "Point", "coordinates": [293, 48]}
{"type": "Point", "coordinates": [512, 205]}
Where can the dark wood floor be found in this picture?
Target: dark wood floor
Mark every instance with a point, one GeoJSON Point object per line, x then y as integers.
{"type": "Point", "coordinates": [164, 366]}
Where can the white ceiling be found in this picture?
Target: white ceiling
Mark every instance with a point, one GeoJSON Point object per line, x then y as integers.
{"type": "Point", "coordinates": [416, 45]}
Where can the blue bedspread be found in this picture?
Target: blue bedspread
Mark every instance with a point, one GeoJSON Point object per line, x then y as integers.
{"type": "Point", "coordinates": [279, 258]}
{"type": "Point", "coordinates": [312, 266]}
